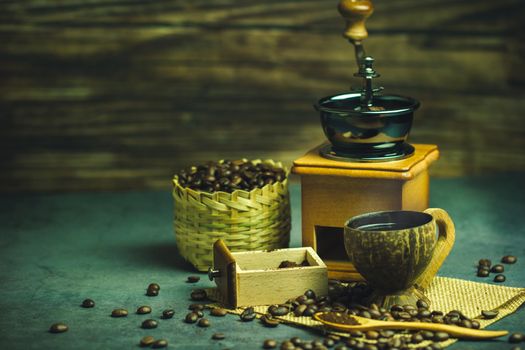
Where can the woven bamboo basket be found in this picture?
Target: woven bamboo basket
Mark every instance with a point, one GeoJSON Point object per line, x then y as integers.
{"type": "Point", "coordinates": [245, 220]}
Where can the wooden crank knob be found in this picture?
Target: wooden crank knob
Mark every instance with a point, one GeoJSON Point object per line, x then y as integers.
{"type": "Point", "coordinates": [355, 13]}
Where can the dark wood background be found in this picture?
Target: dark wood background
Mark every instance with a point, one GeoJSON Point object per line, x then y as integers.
{"type": "Point", "coordinates": [119, 94]}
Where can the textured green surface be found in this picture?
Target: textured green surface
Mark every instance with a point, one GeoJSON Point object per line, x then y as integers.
{"type": "Point", "coordinates": [56, 250]}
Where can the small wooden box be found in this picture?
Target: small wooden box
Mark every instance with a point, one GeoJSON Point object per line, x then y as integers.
{"type": "Point", "coordinates": [253, 278]}
{"type": "Point", "coordinates": [334, 191]}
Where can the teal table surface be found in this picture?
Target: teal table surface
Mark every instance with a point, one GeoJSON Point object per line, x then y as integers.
{"type": "Point", "coordinates": [56, 250]}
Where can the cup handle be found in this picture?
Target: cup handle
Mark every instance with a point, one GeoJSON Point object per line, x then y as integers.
{"type": "Point", "coordinates": [445, 241]}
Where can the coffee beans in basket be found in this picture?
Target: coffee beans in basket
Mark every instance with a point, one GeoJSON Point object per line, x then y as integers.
{"type": "Point", "coordinates": [228, 176]}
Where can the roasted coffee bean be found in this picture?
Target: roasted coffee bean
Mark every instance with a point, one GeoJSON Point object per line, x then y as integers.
{"type": "Point", "coordinates": [198, 295]}
{"type": "Point", "coordinates": [161, 343]}
{"type": "Point", "coordinates": [147, 341]}
{"type": "Point", "coordinates": [509, 259]}
{"type": "Point", "coordinates": [485, 262]}
{"type": "Point", "coordinates": [219, 312]}
{"type": "Point", "coordinates": [497, 268]}
{"type": "Point", "coordinates": [218, 336]}
{"type": "Point", "coordinates": [437, 313]}
{"type": "Point", "coordinates": [196, 307]}
{"type": "Point", "coordinates": [191, 317]}
{"type": "Point", "coordinates": [387, 333]}
{"type": "Point", "coordinates": [269, 344]}
{"type": "Point", "coordinates": [365, 314]}
{"type": "Point", "coordinates": [372, 335]}
{"type": "Point", "coordinates": [397, 308]}
{"type": "Point", "coordinates": [310, 310]}
{"type": "Point", "coordinates": [58, 328]}
{"type": "Point", "coordinates": [287, 345]}
{"type": "Point", "coordinates": [465, 323]}
{"type": "Point", "coordinates": [248, 314]}
{"type": "Point", "coordinates": [296, 341]}
{"type": "Point", "coordinates": [438, 319]}
{"type": "Point", "coordinates": [142, 310]}
{"type": "Point", "coordinates": [422, 304]}
{"type": "Point", "coordinates": [423, 313]}
{"type": "Point", "coordinates": [516, 338]}
{"type": "Point", "coordinates": [88, 303]}
{"type": "Point", "coordinates": [427, 335]}
{"type": "Point", "coordinates": [119, 313]}
{"type": "Point", "coordinates": [404, 315]}
{"type": "Point", "coordinates": [168, 313]}
{"type": "Point", "coordinates": [193, 279]}
{"type": "Point", "coordinates": [280, 310]}
{"type": "Point", "coordinates": [489, 314]}
{"type": "Point", "coordinates": [152, 292]}
{"type": "Point", "coordinates": [475, 324]}
{"type": "Point", "coordinates": [416, 338]}
{"type": "Point", "coordinates": [269, 321]}
{"type": "Point", "coordinates": [149, 324]}
{"type": "Point", "coordinates": [154, 286]}
{"type": "Point", "coordinates": [499, 278]}
{"type": "Point", "coordinates": [440, 336]}
{"type": "Point", "coordinates": [310, 294]}
{"type": "Point", "coordinates": [483, 272]}
{"type": "Point", "coordinates": [299, 310]}
{"type": "Point", "coordinates": [199, 313]}
{"type": "Point", "coordinates": [203, 322]}
{"type": "Point", "coordinates": [328, 342]}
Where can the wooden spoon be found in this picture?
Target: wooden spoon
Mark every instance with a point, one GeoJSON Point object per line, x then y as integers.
{"type": "Point", "coordinates": [366, 324]}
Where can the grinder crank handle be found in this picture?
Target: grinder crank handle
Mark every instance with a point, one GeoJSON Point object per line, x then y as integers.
{"type": "Point", "coordinates": [355, 13]}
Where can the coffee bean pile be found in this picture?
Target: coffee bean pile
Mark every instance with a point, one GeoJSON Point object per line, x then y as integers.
{"type": "Point", "coordinates": [228, 176]}
{"type": "Point", "coordinates": [485, 267]}
{"type": "Point", "coordinates": [285, 264]}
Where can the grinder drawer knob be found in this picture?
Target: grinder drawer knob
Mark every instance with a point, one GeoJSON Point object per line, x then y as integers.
{"type": "Point", "coordinates": [212, 273]}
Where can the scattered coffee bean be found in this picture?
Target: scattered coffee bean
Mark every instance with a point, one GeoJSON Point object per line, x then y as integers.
{"type": "Point", "coordinates": [489, 314]}
{"type": "Point", "coordinates": [161, 343]}
{"type": "Point", "coordinates": [196, 307]}
{"type": "Point", "coordinates": [269, 321]}
{"type": "Point", "coordinates": [144, 310]}
{"type": "Point", "coordinates": [198, 295]}
{"type": "Point", "coordinates": [287, 345]}
{"type": "Point", "coordinates": [154, 286]}
{"type": "Point", "coordinates": [475, 324]}
{"type": "Point", "coordinates": [168, 313]}
{"type": "Point", "coordinates": [422, 304]}
{"type": "Point", "coordinates": [88, 303]}
{"type": "Point", "coordinates": [152, 292]}
{"type": "Point", "coordinates": [218, 312]}
{"type": "Point", "coordinates": [191, 317]}
{"type": "Point", "coordinates": [58, 328]}
{"type": "Point", "coordinates": [203, 322]}
{"type": "Point", "coordinates": [278, 310]}
{"type": "Point", "coordinates": [483, 272]}
{"type": "Point", "coordinates": [497, 268]}
{"type": "Point", "coordinates": [218, 336]}
{"type": "Point", "coordinates": [499, 278]}
{"type": "Point", "coordinates": [516, 338]}
{"type": "Point", "coordinates": [149, 324]}
{"type": "Point", "coordinates": [147, 341]}
{"type": "Point", "coordinates": [269, 344]}
{"type": "Point", "coordinates": [509, 259]}
{"type": "Point", "coordinates": [119, 313]}
{"type": "Point", "coordinates": [485, 262]}
{"type": "Point", "coordinates": [193, 279]}
{"type": "Point", "coordinates": [248, 314]}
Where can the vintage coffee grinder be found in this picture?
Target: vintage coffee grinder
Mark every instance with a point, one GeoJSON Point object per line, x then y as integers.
{"type": "Point", "coordinates": [367, 164]}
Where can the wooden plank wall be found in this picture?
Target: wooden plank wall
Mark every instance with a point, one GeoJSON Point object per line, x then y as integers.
{"type": "Point", "coordinates": [119, 94]}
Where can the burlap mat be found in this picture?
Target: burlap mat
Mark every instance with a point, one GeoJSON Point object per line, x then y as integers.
{"type": "Point", "coordinates": [445, 294]}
